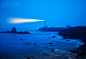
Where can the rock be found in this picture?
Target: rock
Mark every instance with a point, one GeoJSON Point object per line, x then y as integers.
{"type": "Point", "coordinates": [26, 32]}
{"type": "Point", "coordinates": [53, 36]}
{"type": "Point", "coordinates": [68, 40]}
{"type": "Point", "coordinates": [20, 39]}
{"type": "Point", "coordinates": [64, 38]}
{"type": "Point", "coordinates": [34, 43]}
{"type": "Point", "coordinates": [20, 32]}
{"type": "Point", "coordinates": [28, 43]}
{"type": "Point", "coordinates": [7, 31]}
{"type": "Point", "coordinates": [82, 53]}
{"type": "Point", "coordinates": [81, 38]}
{"type": "Point", "coordinates": [28, 58]}
{"type": "Point", "coordinates": [50, 43]}
{"type": "Point", "coordinates": [73, 51]}
{"type": "Point", "coordinates": [67, 37]}
{"type": "Point", "coordinates": [52, 50]}
{"type": "Point", "coordinates": [13, 30]}
{"type": "Point", "coordinates": [81, 50]}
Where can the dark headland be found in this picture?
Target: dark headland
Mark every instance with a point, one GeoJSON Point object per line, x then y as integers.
{"type": "Point", "coordinates": [50, 29]}
{"type": "Point", "coordinates": [79, 33]}
{"type": "Point", "coordinates": [13, 30]}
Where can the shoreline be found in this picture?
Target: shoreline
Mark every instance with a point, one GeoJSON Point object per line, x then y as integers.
{"type": "Point", "coordinates": [76, 33]}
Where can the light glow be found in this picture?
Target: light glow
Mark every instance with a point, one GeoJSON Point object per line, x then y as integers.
{"type": "Point", "coordinates": [20, 20]}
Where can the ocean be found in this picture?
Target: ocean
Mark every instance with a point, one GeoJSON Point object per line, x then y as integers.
{"type": "Point", "coordinates": [36, 46]}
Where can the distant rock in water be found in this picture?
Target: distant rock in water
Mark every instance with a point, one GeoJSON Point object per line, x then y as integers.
{"type": "Point", "coordinates": [53, 36]}
{"type": "Point", "coordinates": [50, 43]}
{"type": "Point", "coordinates": [52, 50]}
{"type": "Point", "coordinates": [13, 30]}
{"type": "Point", "coordinates": [26, 32]}
{"type": "Point", "coordinates": [28, 58]}
{"type": "Point", "coordinates": [20, 39]}
{"type": "Point", "coordinates": [28, 43]}
{"type": "Point", "coordinates": [7, 31]}
{"type": "Point", "coordinates": [34, 43]}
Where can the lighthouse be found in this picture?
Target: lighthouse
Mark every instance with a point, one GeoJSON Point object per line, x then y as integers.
{"type": "Point", "coordinates": [45, 23]}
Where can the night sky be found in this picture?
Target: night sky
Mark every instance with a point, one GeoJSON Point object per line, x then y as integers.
{"type": "Point", "coordinates": [57, 13]}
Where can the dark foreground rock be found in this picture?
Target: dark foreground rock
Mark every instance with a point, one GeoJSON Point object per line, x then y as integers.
{"type": "Point", "coordinates": [34, 43]}
{"type": "Point", "coordinates": [20, 39]}
{"type": "Point", "coordinates": [28, 43]}
{"type": "Point", "coordinates": [50, 43]}
{"type": "Point", "coordinates": [79, 33]}
{"type": "Point", "coordinates": [53, 36]}
{"type": "Point", "coordinates": [52, 50]}
{"type": "Point", "coordinates": [28, 58]}
{"type": "Point", "coordinates": [81, 51]}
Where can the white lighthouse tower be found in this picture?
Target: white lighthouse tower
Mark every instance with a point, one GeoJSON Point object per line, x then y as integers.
{"type": "Point", "coordinates": [45, 23]}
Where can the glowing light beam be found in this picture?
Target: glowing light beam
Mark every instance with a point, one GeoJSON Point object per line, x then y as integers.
{"type": "Point", "coordinates": [20, 20]}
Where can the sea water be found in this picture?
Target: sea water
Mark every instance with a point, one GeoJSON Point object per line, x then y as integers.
{"type": "Point", "coordinates": [34, 44]}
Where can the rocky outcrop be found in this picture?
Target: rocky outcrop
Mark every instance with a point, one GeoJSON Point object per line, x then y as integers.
{"type": "Point", "coordinates": [50, 43]}
{"type": "Point", "coordinates": [13, 30]}
{"type": "Point", "coordinates": [78, 32]}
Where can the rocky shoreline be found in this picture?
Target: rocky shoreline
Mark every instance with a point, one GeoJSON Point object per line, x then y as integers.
{"type": "Point", "coordinates": [78, 33]}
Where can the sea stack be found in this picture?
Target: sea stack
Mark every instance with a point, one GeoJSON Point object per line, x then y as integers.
{"type": "Point", "coordinates": [13, 30]}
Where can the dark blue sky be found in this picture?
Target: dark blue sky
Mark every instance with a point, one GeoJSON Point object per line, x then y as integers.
{"type": "Point", "coordinates": [56, 12]}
